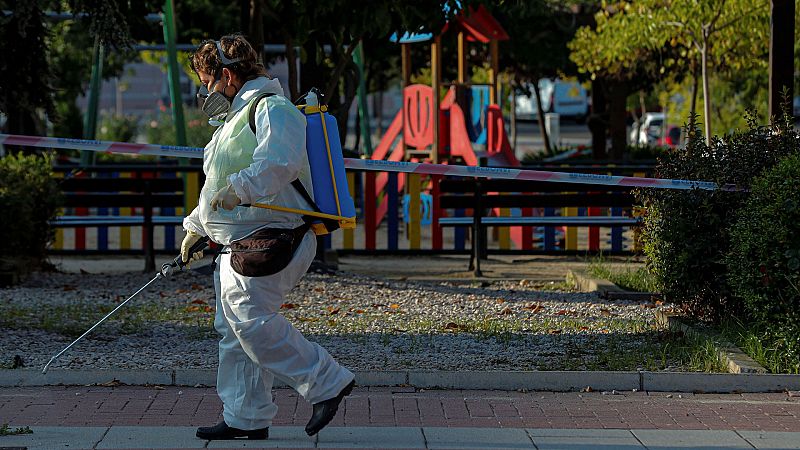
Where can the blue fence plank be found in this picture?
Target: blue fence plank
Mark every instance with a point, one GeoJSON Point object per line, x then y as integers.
{"type": "Point", "coordinates": [616, 232]}
{"type": "Point", "coordinates": [549, 232]}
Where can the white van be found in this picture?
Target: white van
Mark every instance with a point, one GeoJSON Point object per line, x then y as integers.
{"type": "Point", "coordinates": [567, 98]}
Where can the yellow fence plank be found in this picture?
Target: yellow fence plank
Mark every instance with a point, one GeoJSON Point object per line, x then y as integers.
{"type": "Point", "coordinates": [348, 240]}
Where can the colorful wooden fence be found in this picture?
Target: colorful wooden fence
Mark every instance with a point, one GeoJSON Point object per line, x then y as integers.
{"type": "Point", "coordinates": [383, 223]}
{"type": "Point", "coordinates": [109, 239]}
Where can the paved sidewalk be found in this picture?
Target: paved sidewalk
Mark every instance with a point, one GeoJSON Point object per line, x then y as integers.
{"type": "Point", "coordinates": [165, 417]}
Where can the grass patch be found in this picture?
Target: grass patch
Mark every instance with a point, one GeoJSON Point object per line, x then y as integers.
{"type": "Point", "coordinates": [5, 430]}
{"type": "Point", "coordinates": [638, 279]}
{"type": "Point", "coordinates": [767, 346]}
{"type": "Point", "coordinates": [73, 319]}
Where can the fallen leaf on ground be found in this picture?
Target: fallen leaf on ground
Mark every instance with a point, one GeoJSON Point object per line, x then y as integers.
{"type": "Point", "coordinates": [605, 312]}
{"type": "Point", "coordinates": [360, 311]}
{"type": "Point", "coordinates": [587, 389]}
{"type": "Point", "coordinates": [319, 289]}
{"type": "Point", "coordinates": [394, 306]}
{"type": "Point", "coordinates": [506, 311]}
{"type": "Point", "coordinates": [288, 306]}
{"type": "Point", "coordinates": [554, 331]}
{"type": "Point", "coordinates": [534, 308]}
{"type": "Point", "coordinates": [501, 300]}
{"type": "Point", "coordinates": [454, 326]}
{"type": "Point", "coordinates": [197, 287]}
{"type": "Point", "coordinates": [332, 310]}
{"type": "Point", "coordinates": [199, 302]}
{"type": "Point", "coordinates": [113, 383]}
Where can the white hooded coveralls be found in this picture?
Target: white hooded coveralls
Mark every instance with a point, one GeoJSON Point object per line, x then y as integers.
{"type": "Point", "coordinates": [258, 344]}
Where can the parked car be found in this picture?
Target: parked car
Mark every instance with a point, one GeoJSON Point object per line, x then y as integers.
{"type": "Point", "coordinates": [567, 98]}
{"type": "Point", "coordinates": [648, 130]}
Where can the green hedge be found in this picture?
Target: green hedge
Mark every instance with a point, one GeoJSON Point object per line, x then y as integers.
{"type": "Point", "coordinates": [685, 234]}
{"type": "Point", "coordinates": [764, 261]}
{"type": "Point", "coordinates": [30, 198]}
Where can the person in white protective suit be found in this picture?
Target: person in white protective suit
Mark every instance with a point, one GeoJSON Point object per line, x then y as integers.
{"type": "Point", "coordinates": [258, 344]}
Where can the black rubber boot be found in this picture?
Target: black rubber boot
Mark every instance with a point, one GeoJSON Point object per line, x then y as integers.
{"type": "Point", "coordinates": [325, 411]}
{"type": "Point", "coordinates": [222, 431]}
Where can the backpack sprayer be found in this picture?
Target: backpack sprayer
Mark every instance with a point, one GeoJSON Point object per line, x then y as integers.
{"type": "Point", "coordinates": [332, 205]}
{"type": "Point", "coordinates": [165, 272]}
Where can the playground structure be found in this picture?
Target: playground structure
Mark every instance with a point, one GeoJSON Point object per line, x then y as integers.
{"type": "Point", "coordinates": [464, 126]}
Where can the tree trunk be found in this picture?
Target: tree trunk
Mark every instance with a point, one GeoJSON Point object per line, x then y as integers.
{"type": "Point", "coordinates": [597, 122]}
{"type": "Point", "coordinates": [291, 63]}
{"type": "Point", "coordinates": [695, 86]}
{"type": "Point", "coordinates": [377, 100]}
{"type": "Point", "coordinates": [339, 105]}
{"type": "Point", "coordinates": [706, 93]}
{"type": "Point", "coordinates": [540, 113]}
{"type": "Point", "coordinates": [244, 14]}
{"type": "Point", "coordinates": [618, 91]}
{"type": "Point", "coordinates": [256, 30]}
{"type": "Point", "coordinates": [311, 73]}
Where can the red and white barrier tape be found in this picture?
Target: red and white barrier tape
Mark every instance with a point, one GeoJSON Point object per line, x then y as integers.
{"type": "Point", "coordinates": [376, 165]}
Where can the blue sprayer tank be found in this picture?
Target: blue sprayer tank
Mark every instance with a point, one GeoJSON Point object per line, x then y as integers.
{"type": "Point", "coordinates": [331, 192]}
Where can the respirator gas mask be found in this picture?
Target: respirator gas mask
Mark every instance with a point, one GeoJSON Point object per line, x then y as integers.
{"type": "Point", "coordinates": [216, 104]}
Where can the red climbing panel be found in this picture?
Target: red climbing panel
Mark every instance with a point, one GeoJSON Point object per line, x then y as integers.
{"type": "Point", "coordinates": [418, 111]}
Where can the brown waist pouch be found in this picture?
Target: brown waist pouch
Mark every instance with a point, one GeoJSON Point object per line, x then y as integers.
{"type": "Point", "coordinates": [267, 251]}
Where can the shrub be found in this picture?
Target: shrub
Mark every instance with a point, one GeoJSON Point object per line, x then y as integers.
{"type": "Point", "coordinates": [161, 129]}
{"type": "Point", "coordinates": [685, 232]}
{"type": "Point", "coordinates": [30, 198]}
{"type": "Point", "coordinates": [764, 259]}
{"type": "Point", "coordinates": [118, 128]}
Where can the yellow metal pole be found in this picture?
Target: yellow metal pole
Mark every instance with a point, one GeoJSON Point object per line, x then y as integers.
{"type": "Point", "coordinates": [462, 57]}
{"type": "Point", "coordinates": [495, 51]}
{"type": "Point", "coordinates": [436, 78]}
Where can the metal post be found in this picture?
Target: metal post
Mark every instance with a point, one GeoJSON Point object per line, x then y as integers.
{"type": "Point", "coordinates": [90, 121]}
{"type": "Point", "coordinates": [174, 73]}
{"type": "Point", "coordinates": [781, 54]}
{"type": "Point", "coordinates": [190, 179]}
{"type": "Point", "coordinates": [366, 130]}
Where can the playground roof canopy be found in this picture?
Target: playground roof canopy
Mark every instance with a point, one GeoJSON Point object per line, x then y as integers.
{"type": "Point", "coordinates": [477, 24]}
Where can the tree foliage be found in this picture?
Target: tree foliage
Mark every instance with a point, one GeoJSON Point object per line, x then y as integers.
{"type": "Point", "coordinates": [669, 38]}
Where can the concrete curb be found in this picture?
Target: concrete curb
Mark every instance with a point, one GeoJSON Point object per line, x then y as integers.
{"type": "Point", "coordinates": [604, 288]}
{"type": "Point", "coordinates": [734, 358]}
{"type": "Point", "coordinates": [731, 356]}
{"type": "Point", "coordinates": [558, 381]}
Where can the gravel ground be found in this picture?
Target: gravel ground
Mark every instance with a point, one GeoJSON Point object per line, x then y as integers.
{"type": "Point", "coordinates": [366, 323]}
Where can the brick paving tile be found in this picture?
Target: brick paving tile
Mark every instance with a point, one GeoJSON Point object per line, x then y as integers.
{"type": "Point", "coordinates": [404, 406]}
{"type": "Point", "coordinates": [479, 408]}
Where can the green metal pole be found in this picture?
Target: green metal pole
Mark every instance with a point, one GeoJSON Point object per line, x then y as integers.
{"type": "Point", "coordinates": [90, 121]}
{"type": "Point", "coordinates": [366, 130]}
{"type": "Point", "coordinates": [189, 180]}
{"type": "Point", "coordinates": [174, 73]}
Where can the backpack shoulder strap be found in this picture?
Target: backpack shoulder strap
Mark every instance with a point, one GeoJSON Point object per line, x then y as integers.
{"type": "Point", "coordinates": [252, 112]}
{"type": "Point", "coordinates": [330, 224]}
